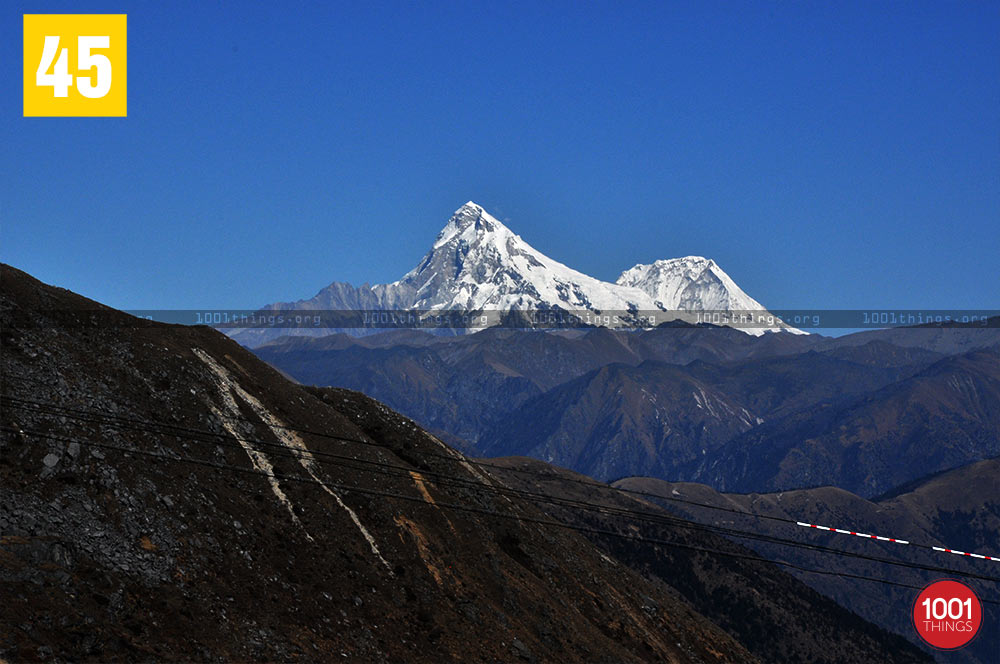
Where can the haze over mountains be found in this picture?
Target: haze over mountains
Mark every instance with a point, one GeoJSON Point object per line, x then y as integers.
{"type": "Point", "coordinates": [478, 264]}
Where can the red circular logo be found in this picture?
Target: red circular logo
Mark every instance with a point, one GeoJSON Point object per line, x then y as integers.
{"type": "Point", "coordinates": [947, 614]}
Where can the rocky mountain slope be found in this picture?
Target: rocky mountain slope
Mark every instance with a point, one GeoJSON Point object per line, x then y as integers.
{"type": "Point", "coordinates": [157, 505]}
{"type": "Point", "coordinates": [776, 626]}
{"type": "Point", "coordinates": [167, 495]}
{"type": "Point", "coordinates": [958, 509]}
{"type": "Point", "coordinates": [477, 264]}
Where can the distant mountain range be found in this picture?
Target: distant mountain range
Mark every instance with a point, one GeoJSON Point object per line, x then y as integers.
{"type": "Point", "coordinates": [864, 412]}
{"type": "Point", "coordinates": [478, 264]}
{"type": "Point", "coordinates": [944, 416]}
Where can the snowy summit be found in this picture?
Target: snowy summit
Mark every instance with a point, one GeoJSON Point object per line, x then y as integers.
{"type": "Point", "coordinates": [478, 264]}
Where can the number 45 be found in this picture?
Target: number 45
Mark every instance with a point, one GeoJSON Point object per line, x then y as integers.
{"type": "Point", "coordinates": [60, 79]}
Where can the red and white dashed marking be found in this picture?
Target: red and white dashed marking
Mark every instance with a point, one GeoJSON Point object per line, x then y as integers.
{"type": "Point", "coordinates": [851, 532]}
{"type": "Point", "coordinates": [897, 541]}
{"type": "Point", "coordinates": [963, 553]}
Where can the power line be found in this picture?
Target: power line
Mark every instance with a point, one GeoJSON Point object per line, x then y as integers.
{"type": "Point", "coordinates": [662, 519]}
{"type": "Point", "coordinates": [659, 519]}
{"type": "Point", "coordinates": [468, 508]}
{"type": "Point", "coordinates": [559, 478]}
{"type": "Point", "coordinates": [485, 464]}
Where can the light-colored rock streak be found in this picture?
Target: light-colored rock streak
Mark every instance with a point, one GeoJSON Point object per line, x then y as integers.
{"type": "Point", "coordinates": [290, 439]}
{"type": "Point", "coordinates": [461, 459]}
{"type": "Point", "coordinates": [486, 479]}
{"type": "Point", "coordinates": [257, 458]}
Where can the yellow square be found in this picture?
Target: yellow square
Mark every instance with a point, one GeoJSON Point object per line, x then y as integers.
{"type": "Point", "coordinates": [75, 65]}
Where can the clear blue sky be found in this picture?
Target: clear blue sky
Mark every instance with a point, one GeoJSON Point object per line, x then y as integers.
{"type": "Point", "coordinates": [826, 154]}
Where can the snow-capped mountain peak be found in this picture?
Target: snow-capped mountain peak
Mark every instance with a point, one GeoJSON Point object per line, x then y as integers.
{"type": "Point", "coordinates": [477, 264]}
{"type": "Point", "coordinates": [691, 283]}
{"type": "Point", "coordinates": [470, 216]}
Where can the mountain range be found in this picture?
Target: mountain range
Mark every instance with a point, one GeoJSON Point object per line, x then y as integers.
{"type": "Point", "coordinates": [164, 494]}
{"type": "Point", "coordinates": [680, 401]}
{"type": "Point", "coordinates": [477, 264]}
{"type": "Point", "coordinates": [864, 412]}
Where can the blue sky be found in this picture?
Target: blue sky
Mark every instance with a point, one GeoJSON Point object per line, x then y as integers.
{"type": "Point", "coordinates": [826, 154]}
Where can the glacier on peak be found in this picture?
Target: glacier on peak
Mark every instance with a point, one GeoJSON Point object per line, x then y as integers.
{"type": "Point", "coordinates": [478, 264]}
{"type": "Point", "coordinates": [468, 216]}
{"type": "Point", "coordinates": [691, 283]}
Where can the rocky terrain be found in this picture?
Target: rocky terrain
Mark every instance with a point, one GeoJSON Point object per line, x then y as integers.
{"type": "Point", "coordinates": [164, 494]}
{"type": "Point", "coordinates": [156, 505]}
{"type": "Point", "coordinates": [719, 576]}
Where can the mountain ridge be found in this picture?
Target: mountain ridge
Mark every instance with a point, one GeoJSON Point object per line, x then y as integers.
{"type": "Point", "coordinates": [955, 508]}
{"type": "Point", "coordinates": [167, 495]}
{"type": "Point", "coordinates": [478, 264]}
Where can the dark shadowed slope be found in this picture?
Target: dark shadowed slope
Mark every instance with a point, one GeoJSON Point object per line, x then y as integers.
{"type": "Point", "coordinates": [619, 417]}
{"type": "Point", "coordinates": [959, 509]}
{"type": "Point", "coordinates": [166, 495]}
{"type": "Point", "coordinates": [665, 419]}
{"type": "Point", "coordinates": [154, 506]}
{"type": "Point", "coordinates": [777, 621]}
